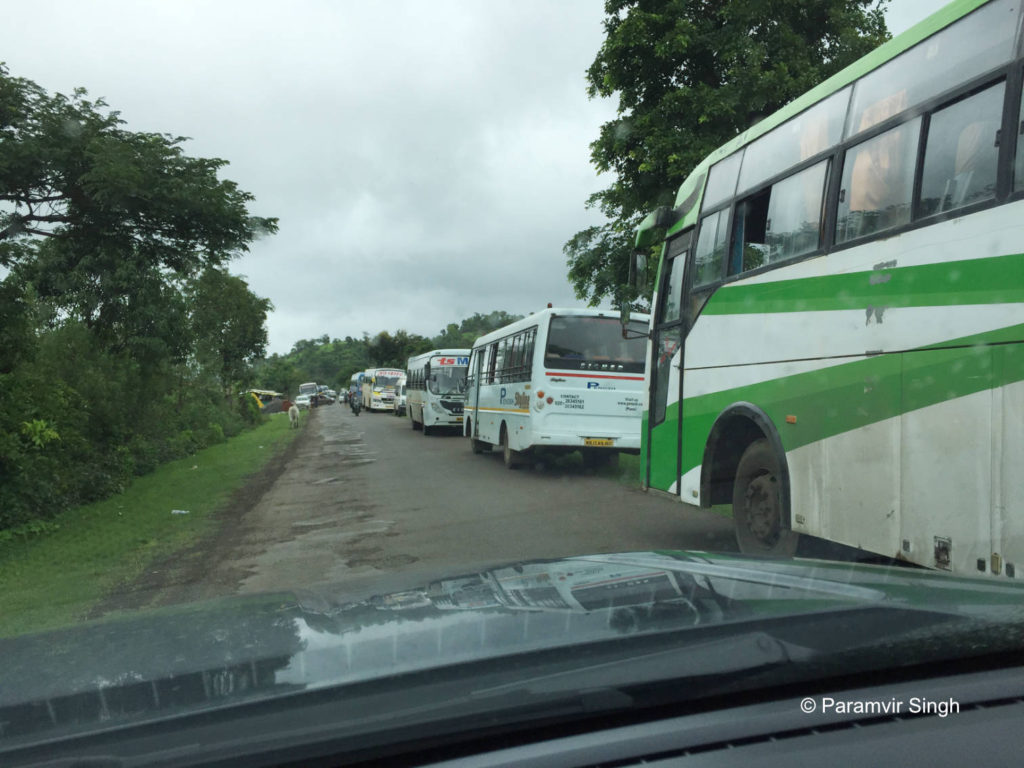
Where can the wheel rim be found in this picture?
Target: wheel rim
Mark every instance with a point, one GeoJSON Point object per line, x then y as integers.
{"type": "Point", "coordinates": [762, 510]}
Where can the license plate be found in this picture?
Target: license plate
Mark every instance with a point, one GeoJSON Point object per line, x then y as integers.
{"type": "Point", "coordinates": [598, 442]}
{"type": "Point", "coordinates": [458, 418]}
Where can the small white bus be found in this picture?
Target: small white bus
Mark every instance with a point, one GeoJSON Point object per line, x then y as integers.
{"type": "Point", "coordinates": [558, 380]}
{"type": "Point", "coordinates": [379, 388]}
{"type": "Point", "coordinates": [436, 388]}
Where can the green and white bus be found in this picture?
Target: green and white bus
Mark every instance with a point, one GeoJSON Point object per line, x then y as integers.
{"type": "Point", "coordinates": [836, 344]}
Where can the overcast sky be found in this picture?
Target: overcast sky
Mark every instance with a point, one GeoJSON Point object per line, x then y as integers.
{"type": "Point", "coordinates": [427, 160]}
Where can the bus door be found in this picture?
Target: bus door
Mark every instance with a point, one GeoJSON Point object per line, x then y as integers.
{"type": "Point", "coordinates": [473, 389]}
{"type": "Point", "coordinates": [663, 434]}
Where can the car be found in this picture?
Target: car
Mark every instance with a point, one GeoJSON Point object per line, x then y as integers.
{"type": "Point", "coordinates": [619, 658]}
{"type": "Point", "coordinates": [302, 402]}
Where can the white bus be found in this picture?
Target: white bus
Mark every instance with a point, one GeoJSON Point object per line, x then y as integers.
{"type": "Point", "coordinates": [379, 388]}
{"type": "Point", "coordinates": [838, 337]}
{"type": "Point", "coordinates": [436, 388]}
{"type": "Point", "coordinates": [559, 380]}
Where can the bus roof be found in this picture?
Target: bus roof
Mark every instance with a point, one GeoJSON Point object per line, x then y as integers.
{"type": "Point", "coordinates": [437, 353]}
{"type": "Point", "coordinates": [537, 317]}
{"type": "Point", "coordinates": [689, 192]}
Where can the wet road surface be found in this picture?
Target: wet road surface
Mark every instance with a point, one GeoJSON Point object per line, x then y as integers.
{"type": "Point", "coordinates": [369, 505]}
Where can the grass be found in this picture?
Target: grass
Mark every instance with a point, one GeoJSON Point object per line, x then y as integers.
{"type": "Point", "coordinates": [53, 580]}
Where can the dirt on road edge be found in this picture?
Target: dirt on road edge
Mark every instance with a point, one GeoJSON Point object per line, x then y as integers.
{"type": "Point", "coordinates": [181, 576]}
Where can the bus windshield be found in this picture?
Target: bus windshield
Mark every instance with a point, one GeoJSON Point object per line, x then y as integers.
{"type": "Point", "coordinates": [595, 342]}
{"type": "Point", "coordinates": [449, 380]}
{"type": "Point", "coordinates": [385, 381]}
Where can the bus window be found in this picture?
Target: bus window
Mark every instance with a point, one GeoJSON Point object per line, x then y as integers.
{"type": "Point", "coordinates": [710, 248]}
{"type": "Point", "coordinates": [878, 180]}
{"type": "Point", "coordinates": [671, 290]}
{"type": "Point", "coordinates": [492, 358]}
{"type": "Point", "coordinates": [781, 222]}
{"type": "Point", "coordinates": [722, 180]}
{"type": "Point", "coordinates": [975, 44]}
{"type": "Point", "coordinates": [500, 360]}
{"type": "Point", "coordinates": [961, 155]}
{"type": "Point", "coordinates": [589, 343]}
{"type": "Point", "coordinates": [447, 380]}
{"type": "Point", "coordinates": [665, 346]}
{"type": "Point", "coordinates": [801, 138]}
{"type": "Point", "coordinates": [1018, 166]}
{"type": "Point", "coordinates": [531, 335]}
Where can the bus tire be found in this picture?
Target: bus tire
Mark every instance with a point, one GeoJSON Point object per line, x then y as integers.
{"type": "Point", "coordinates": [511, 458]}
{"type": "Point", "coordinates": [757, 504]}
{"type": "Point", "coordinates": [478, 446]}
{"type": "Point", "coordinates": [415, 424]}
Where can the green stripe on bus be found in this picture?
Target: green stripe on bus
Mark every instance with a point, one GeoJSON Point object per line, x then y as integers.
{"type": "Point", "coordinates": [841, 398]}
{"type": "Point", "coordinates": [996, 280]}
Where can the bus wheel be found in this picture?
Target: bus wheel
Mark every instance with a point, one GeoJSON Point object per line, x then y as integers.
{"type": "Point", "coordinates": [757, 504]}
{"type": "Point", "coordinates": [415, 424]}
{"type": "Point", "coordinates": [511, 458]}
{"type": "Point", "coordinates": [478, 446]}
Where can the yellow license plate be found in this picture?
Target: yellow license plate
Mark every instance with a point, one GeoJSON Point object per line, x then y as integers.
{"type": "Point", "coordinates": [458, 418]}
{"type": "Point", "coordinates": [602, 442]}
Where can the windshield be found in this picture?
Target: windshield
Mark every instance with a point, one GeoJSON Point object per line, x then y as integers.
{"type": "Point", "coordinates": [582, 342]}
{"type": "Point", "coordinates": [447, 380]}
{"type": "Point", "coordinates": [508, 369]}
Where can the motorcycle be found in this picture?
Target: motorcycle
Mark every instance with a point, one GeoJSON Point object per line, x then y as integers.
{"type": "Point", "coordinates": [356, 403]}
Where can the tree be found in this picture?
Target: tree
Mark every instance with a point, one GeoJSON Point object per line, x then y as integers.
{"type": "Point", "coordinates": [394, 350]}
{"type": "Point", "coordinates": [690, 75]}
{"type": "Point", "coordinates": [471, 328]}
{"type": "Point", "coordinates": [119, 324]}
{"type": "Point", "coordinates": [229, 325]}
{"type": "Point", "coordinates": [100, 219]}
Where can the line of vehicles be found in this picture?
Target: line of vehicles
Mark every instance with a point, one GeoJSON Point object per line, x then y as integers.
{"type": "Point", "coordinates": [557, 381]}
{"type": "Point", "coordinates": [312, 395]}
{"type": "Point", "coordinates": [836, 344]}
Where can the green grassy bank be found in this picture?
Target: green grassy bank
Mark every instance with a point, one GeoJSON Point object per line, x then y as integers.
{"type": "Point", "coordinates": [53, 580]}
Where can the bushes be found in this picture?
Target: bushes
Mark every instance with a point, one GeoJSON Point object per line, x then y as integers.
{"type": "Point", "coordinates": [78, 421]}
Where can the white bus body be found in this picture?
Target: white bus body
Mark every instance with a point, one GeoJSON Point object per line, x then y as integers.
{"type": "Point", "coordinates": [436, 388]}
{"type": "Point", "coordinates": [379, 388]}
{"type": "Point", "coordinates": [560, 380]}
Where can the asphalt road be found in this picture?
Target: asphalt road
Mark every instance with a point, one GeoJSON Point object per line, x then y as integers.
{"type": "Point", "coordinates": [368, 505]}
{"type": "Point", "coordinates": [428, 505]}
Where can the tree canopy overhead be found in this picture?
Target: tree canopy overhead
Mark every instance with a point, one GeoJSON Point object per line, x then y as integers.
{"type": "Point", "coordinates": [96, 217]}
{"type": "Point", "coordinates": [690, 75]}
{"type": "Point", "coordinates": [123, 338]}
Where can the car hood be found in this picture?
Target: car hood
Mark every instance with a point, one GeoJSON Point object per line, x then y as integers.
{"type": "Point", "coordinates": [186, 657]}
